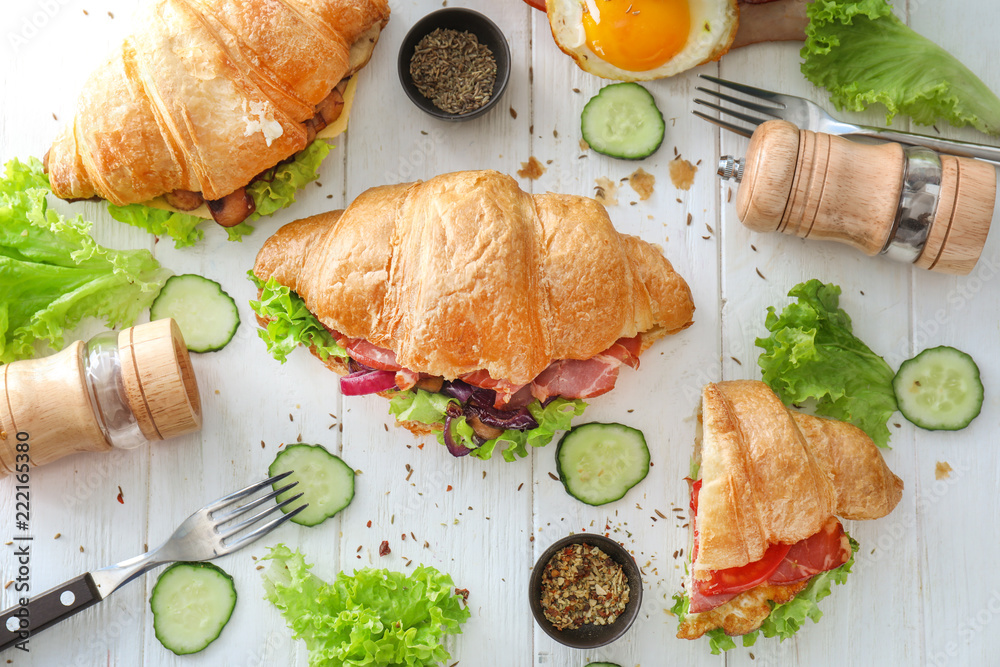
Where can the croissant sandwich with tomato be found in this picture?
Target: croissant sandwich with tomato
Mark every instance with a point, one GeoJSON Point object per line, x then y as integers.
{"type": "Point", "coordinates": [207, 96]}
{"type": "Point", "coordinates": [483, 312]}
{"type": "Point", "coordinates": [767, 540]}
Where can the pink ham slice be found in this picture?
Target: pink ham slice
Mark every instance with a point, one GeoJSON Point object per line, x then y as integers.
{"type": "Point", "coordinates": [577, 378]}
{"type": "Point", "coordinates": [827, 549]}
{"type": "Point", "coordinates": [568, 378]}
{"type": "Point", "coordinates": [371, 355]}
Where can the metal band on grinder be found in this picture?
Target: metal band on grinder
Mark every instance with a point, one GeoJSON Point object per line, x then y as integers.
{"type": "Point", "coordinates": [918, 203]}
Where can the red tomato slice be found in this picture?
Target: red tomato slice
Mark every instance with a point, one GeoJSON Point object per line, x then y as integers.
{"type": "Point", "coordinates": [735, 579]}
{"type": "Point", "coordinates": [537, 4]}
{"type": "Point", "coordinates": [739, 579]}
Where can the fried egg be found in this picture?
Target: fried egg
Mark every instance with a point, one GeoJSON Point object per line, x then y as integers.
{"type": "Point", "coordinates": [638, 40]}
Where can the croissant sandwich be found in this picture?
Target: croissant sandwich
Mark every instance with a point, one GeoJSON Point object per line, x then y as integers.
{"type": "Point", "coordinates": [206, 97]}
{"type": "Point", "coordinates": [483, 312]}
{"type": "Point", "coordinates": [767, 542]}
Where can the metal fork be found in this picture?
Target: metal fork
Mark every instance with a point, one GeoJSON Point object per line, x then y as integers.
{"type": "Point", "coordinates": [808, 115]}
{"type": "Point", "coordinates": [202, 536]}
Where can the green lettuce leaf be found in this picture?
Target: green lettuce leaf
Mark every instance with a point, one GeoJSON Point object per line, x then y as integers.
{"type": "Point", "coordinates": [812, 353]}
{"type": "Point", "coordinates": [785, 619]}
{"type": "Point", "coordinates": [289, 322]}
{"type": "Point", "coordinates": [427, 408]}
{"type": "Point", "coordinates": [277, 188]}
{"type": "Point", "coordinates": [272, 192]}
{"type": "Point", "coordinates": [181, 227]}
{"type": "Point", "coordinates": [373, 617]}
{"type": "Point", "coordinates": [863, 54]}
{"type": "Point", "coordinates": [54, 274]}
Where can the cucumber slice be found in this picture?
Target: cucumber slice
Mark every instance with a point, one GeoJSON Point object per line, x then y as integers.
{"type": "Point", "coordinates": [191, 603]}
{"type": "Point", "coordinates": [939, 389]}
{"type": "Point", "coordinates": [603, 664]}
{"type": "Point", "coordinates": [599, 463]}
{"type": "Point", "coordinates": [206, 315]}
{"type": "Point", "coordinates": [623, 121]}
{"type": "Point", "coordinates": [324, 480]}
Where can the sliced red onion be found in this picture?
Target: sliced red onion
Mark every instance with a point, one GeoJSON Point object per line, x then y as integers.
{"type": "Point", "coordinates": [519, 420]}
{"type": "Point", "coordinates": [454, 448]}
{"type": "Point", "coordinates": [457, 389]}
{"type": "Point", "coordinates": [367, 382]}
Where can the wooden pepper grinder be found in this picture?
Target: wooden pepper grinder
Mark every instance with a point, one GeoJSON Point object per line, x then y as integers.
{"type": "Point", "coordinates": [118, 390]}
{"type": "Point", "coordinates": [906, 202]}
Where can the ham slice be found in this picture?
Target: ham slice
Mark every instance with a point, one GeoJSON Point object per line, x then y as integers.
{"type": "Point", "coordinates": [568, 378]}
{"type": "Point", "coordinates": [370, 355]}
{"type": "Point", "coordinates": [827, 549]}
{"type": "Point", "coordinates": [577, 378]}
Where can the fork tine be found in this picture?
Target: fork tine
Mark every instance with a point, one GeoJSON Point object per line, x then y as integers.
{"type": "Point", "coordinates": [742, 131]}
{"type": "Point", "coordinates": [746, 90]}
{"type": "Point", "coordinates": [225, 501]}
{"type": "Point", "coordinates": [252, 520]}
{"type": "Point", "coordinates": [243, 509]}
{"type": "Point", "coordinates": [261, 532]}
{"type": "Point", "coordinates": [759, 108]}
{"type": "Point", "coordinates": [753, 120]}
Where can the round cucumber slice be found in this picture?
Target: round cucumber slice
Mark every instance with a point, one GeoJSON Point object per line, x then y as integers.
{"type": "Point", "coordinates": [206, 315]}
{"type": "Point", "coordinates": [939, 389]}
{"type": "Point", "coordinates": [598, 463]}
{"type": "Point", "coordinates": [623, 121]}
{"type": "Point", "coordinates": [191, 604]}
{"type": "Point", "coordinates": [324, 480]}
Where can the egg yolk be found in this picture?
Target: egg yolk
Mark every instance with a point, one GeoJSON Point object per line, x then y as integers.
{"type": "Point", "coordinates": [638, 35]}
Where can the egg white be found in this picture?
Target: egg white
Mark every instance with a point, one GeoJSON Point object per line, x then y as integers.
{"type": "Point", "coordinates": [713, 26]}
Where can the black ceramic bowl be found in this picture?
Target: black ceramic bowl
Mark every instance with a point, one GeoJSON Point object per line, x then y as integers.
{"type": "Point", "coordinates": [588, 636]}
{"type": "Point", "coordinates": [466, 20]}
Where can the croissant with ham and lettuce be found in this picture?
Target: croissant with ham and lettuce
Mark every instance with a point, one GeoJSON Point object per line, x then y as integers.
{"type": "Point", "coordinates": [484, 312]}
{"type": "Point", "coordinates": [767, 487]}
{"type": "Point", "coordinates": [207, 96]}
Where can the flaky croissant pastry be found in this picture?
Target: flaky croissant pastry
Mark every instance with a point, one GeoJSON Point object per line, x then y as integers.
{"type": "Point", "coordinates": [208, 94]}
{"type": "Point", "coordinates": [466, 273]}
{"type": "Point", "coordinates": [771, 474]}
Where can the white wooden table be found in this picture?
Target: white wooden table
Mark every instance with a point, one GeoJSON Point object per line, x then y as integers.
{"type": "Point", "coordinates": [926, 589]}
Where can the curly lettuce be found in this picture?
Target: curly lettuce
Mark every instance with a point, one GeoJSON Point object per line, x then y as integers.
{"type": "Point", "coordinates": [785, 619]}
{"type": "Point", "coordinates": [275, 190]}
{"type": "Point", "coordinates": [53, 274]}
{"type": "Point", "coordinates": [289, 322]}
{"type": "Point", "coordinates": [813, 353]}
{"type": "Point", "coordinates": [863, 54]}
{"type": "Point", "coordinates": [373, 617]}
{"type": "Point", "coordinates": [427, 408]}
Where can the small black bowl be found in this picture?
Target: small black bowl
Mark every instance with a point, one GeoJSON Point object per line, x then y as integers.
{"type": "Point", "coordinates": [465, 20]}
{"type": "Point", "coordinates": [588, 636]}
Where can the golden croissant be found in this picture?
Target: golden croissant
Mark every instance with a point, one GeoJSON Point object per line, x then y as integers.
{"type": "Point", "coordinates": [206, 95]}
{"type": "Point", "coordinates": [772, 481]}
{"type": "Point", "coordinates": [467, 277]}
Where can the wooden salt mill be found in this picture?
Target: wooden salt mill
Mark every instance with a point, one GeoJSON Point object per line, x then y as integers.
{"type": "Point", "coordinates": [118, 390]}
{"type": "Point", "coordinates": [906, 202]}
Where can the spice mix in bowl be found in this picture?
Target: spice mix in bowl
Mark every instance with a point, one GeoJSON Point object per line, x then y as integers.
{"type": "Point", "coordinates": [454, 64]}
{"type": "Point", "coordinates": [585, 591]}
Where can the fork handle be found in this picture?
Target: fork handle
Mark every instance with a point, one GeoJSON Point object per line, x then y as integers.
{"type": "Point", "coordinates": [939, 144]}
{"type": "Point", "coordinates": [41, 611]}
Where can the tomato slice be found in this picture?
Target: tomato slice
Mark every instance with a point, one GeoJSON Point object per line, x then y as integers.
{"type": "Point", "coordinates": [735, 579]}
{"type": "Point", "coordinates": [537, 4]}
{"type": "Point", "coordinates": [739, 579]}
